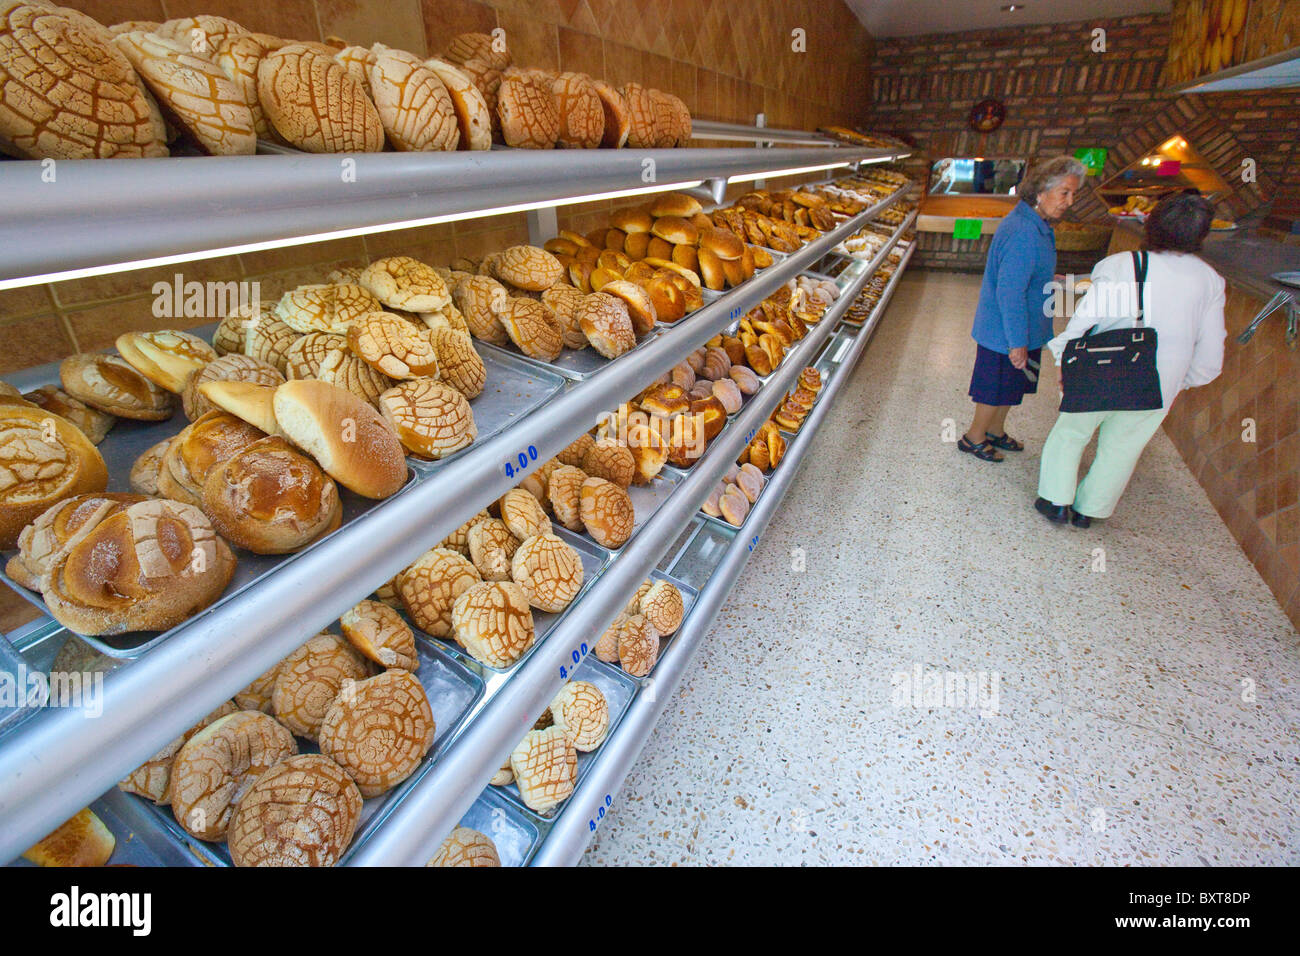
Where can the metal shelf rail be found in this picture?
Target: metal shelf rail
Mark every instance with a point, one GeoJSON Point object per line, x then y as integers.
{"type": "Point", "coordinates": [571, 833]}
{"type": "Point", "coordinates": [57, 762]}
{"type": "Point", "coordinates": [416, 826]}
{"type": "Point", "coordinates": [150, 212]}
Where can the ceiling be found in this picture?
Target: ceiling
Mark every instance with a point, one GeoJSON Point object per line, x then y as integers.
{"type": "Point", "coordinates": [894, 18]}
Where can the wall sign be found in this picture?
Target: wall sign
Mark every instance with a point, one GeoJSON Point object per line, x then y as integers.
{"type": "Point", "coordinates": [967, 228]}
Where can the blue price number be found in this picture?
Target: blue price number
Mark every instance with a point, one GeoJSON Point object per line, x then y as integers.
{"type": "Point", "coordinates": [735, 313]}
{"type": "Point", "coordinates": [750, 437]}
{"type": "Point", "coordinates": [520, 464]}
{"type": "Point", "coordinates": [576, 655]}
{"type": "Point", "coordinates": [753, 543]}
{"type": "Point", "coordinates": [600, 812]}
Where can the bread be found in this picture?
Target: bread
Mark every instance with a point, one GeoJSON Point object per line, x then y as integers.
{"type": "Point", "coordinates": [473, 118]}
{"type": "Point", "coordinates": [401, 282]}
{"type": "Point", "coordinates": [533, 328]}
{"type": "Point", "coordinates": [576, 450]}
{"type": "Point", "coordinates": [711, 414]}
{"type": "Point", "coordinates": [564, 491]}
{"type": "Point", "coordinates": [488, 49]}
{"type": "Point", "coordinates": [640, 307]}
{"type": "Point", "coordinates": [607, 512]}
{"type": "Point", "coordinates": [93, 423]}
{"type": "Point", "coordinates": [665, 400]}
{"type": "Point", "coordinates": [466, 847]}
{"type": "Point", "coordinates": [309, 679]}
{"type": "Point", "coordinates": [327, 307]}
{"type": "Point", "coordinates": [152, 779]}
{"type": "Point", "coordinates": [563, 301]}
{"type": "Point", "coordinates": [302, 812]}
{"type": "Point", "coordinates": [144, 473]}
{"type": "Point", "coordinates": [69, 93]}
{"type": "Point", "coordinates": [526, 110]}
{"type": "Point", "coordinates": [390, 345]}
{"type": "Point", "coordinates": [197, 450]}
{"type": "Point", "coordinates": [108, 383]}
{"type": "Point", "coordinates": [582, 117]}
{"type": "Point", "coordinates": [64, 522]}
{"type": "Point", "coordinates": [480, 299]}
{"type": "Point", "coordinates": [431, 419]}
{"type": "Point", "coordinates": [166, 358]}
{"type": "Point", "coordinates": [459, 364]}
{"type": "Point", "coordinates": [429, 588]}
{"type": "Point", "coordinates": [239, 56]}
{"type": "Point", "coordinates": [617, 121]}
{"type": "Point", "coordinates": [217, 766]}
{"type": "Point", "coordinates": [341, 368]}
{"type": "Point", "coordinates": [258, 694]}
{"type": "Point", "coordinates": [641, 116]}
{"type": "Point", "coordinates": [413, 103]}
{"type": "Point", "coordinates": [605, 321]}
{"type": "Point", "coordinates": [632, 221]}
{"type": "Point", "coordinates": [545, 766]}
{"type": "Point", "coordinates": [649, 451]}
{"type": "Point", "coordinates": [487, 80]}
{"type": "Point", "coordinates": [243, 369]}
{"type": "Point", "coordinates": [315, 104]}
{"type": "Point", "coordinates": [582, 712]}
{"type": "Point", "coordinates": [609, 460]}
{"type": "Point", "coordinates": [494, 623]}
{"type": "Point", "coordinates": [83, 840]}
{"type": "Point", "coordinates": [346, 436]}
{"type": "Point", "coordinates": [523, 515]}
{"type": "Point", "coordinates": [253, 403]}
{"type": "Point", "coordinates": [378, 730]}
{"type": "Point", "coordinates": [491, 546]}
{"type": "Point", "coordinates": [380, 634]}
{"type": "Point", "coordinates": [268, 340]}
{"type": "Point", "coordinates": [734, 506]}
{"type": "Point", "coordinates": [458, 540]}
{"type": "Point", "coordinates": [549, 570]}
{"type": "Point", "coordinates": [527, 267]}
{"type": "Point", "coordinates": [46, 459]}
{"type": "Point", "coordinates": [357, 61]}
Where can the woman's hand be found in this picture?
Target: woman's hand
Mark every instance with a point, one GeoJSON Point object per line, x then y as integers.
{"type": "Point", "coordinates": [1019, 357]}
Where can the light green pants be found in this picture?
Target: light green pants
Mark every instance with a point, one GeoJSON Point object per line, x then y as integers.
{"type": "Point", "coordinates": [1121, 436]}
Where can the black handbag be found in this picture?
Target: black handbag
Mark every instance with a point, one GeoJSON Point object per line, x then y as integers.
{"type": "Point", "coordinates": [1113, 371]}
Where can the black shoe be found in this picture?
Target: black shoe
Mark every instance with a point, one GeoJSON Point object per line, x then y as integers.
{"type": "Point", "coordinates": [1078, 520]}
{"type": "Point", "coordinates": [1059, 514]}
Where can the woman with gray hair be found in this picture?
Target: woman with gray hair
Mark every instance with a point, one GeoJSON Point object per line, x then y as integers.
{"type": "Point", "coordinates": [1011, 320]}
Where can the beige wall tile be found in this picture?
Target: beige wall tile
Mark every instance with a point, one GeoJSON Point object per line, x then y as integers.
{"type": "Point", "coordinates": [623, 64]}
{"type": "Point", "coordinates": [443, 19]}
{"type": "Point", "coordinates": [396, 23]}
{"type": "Point", "coordinates": [290, 19]}
{"type": "Point", "coordinates": [25, 301]}
{"type": "Point", "coordinates": [479, 244]}
{"type": "Point", "coordinates": [109, 12]}
{"type": "Point", "coordinates": [97, 326]}
{"type": "Point", "coordinates": [292, 257]}
{"type": "Point", "coordinates": [76, 292]}
{"type": "Point", "coordinates": [532, 42]}
{"type": "Point", "coordinates": [581, 52]}
{"type": "Point", "coordinates": [33, 340]}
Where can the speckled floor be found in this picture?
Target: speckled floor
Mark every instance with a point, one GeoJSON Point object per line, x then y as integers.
{"type": "Point", "coordinates": [1148, 685]}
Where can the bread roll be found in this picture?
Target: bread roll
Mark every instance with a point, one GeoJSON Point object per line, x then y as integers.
{"type": "Point", "coordinates": [549, 570]}
{"type": "Point", "coordinates": [638, 645]}
{"type": "Point", "coordinates": [533, 328]}
{"type": "Point", "coordinates": [472, 115]}
{"type": "Point", "coordinates": [493, 622]}
{"type": "Point", "coordinates": [605, 321]}
{"type": "Point", "coordinates": [545, 765]}
{"type": "Point", "coordinates": [69, 93]}
{"type": "Point", "coordinates": [83, 840]}
{"type": "Point", "coordinates": [466, 847]}
{"type": "Point", "coordinates": [482, 47]}
{"type": "Point", "coordinates": [582, 712]}
{"type": "Point", "coordinates": [357, 60]}
{"type": "Point", "coordinates": [268, 340]}
{"type": "Point", "coordinates": [380, 634]}
{"type": "Point", "coordinates": [401, 282]}
{"type": "Point", "coordinates": [199, 448]}
{"type": "Point", "coordinates": [413, 103]}
{"type": "Point", "coordinates": [239, 56]}
{"type": "Point", "coordinates": [315, 104]}
{"type": "Point", "coordinates": [526, 109]}
{"type": "Point", "coordinates": [429, 588]}
{"type": "Point", "coordinates": [431, 418]}
{"type": "Point", "coordinates": [301, 812]}
{"type": "Point", "coordinates": [144, 472]}
{"type": "Point", "coordinates": [153, 778]}
{"type": "Point", "coordinates": [108, 383]}
{"type": "Point", "coordinates": [93, 423]}
{"type": "Point", "coordinates": [582, 116]}
{"type": "Point", "coordinates": [229, 369]}
{"type": "Point", "coordinates": [378, 730]}
{"type": "Point", "coordinates": [326, 307]}
{"type": "Point", "coordinates": [607, 512]}
{"type": "Point", "coordinates": [459, 364]}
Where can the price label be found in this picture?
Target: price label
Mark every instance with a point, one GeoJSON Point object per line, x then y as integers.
{"type": "Point", "coordinates": [753, 542]}
{"type": "Point", "coordinates": [575, 658]}
{"type": "Point", "coordinates": [967, 228]}
{"type": "Point", "coordinates": [735, 313]}
{"type": "Point", "coordinates": [515, 467]}
{"type": "Point", "coordinates": [601, 809]}
{"type": "Point", "coordinates": [750, 437]}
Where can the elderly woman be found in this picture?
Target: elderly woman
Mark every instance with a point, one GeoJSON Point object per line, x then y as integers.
{"type": "Point", "coordinates": [1012, 321]}
{"type": "Point", "coordinates": [1183, 301]}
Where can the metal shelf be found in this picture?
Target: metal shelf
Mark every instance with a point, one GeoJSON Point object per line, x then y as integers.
{"type": "Point", "coordinates": [569, 836]}
{"type": "Point", "coordinates": [739, 132]}
{"type": "Point", "coordinates": [415, 828]}
{"type": "Point", "coordinates": [57, 762]}
{"type": "Point", "coordinates": [98, 216]}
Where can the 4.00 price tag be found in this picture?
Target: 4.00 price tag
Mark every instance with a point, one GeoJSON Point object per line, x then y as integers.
{"type": "Point", "coordinates": [518, 465]}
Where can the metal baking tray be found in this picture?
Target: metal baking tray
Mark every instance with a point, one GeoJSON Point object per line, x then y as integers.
{"type": "Point", "coordinates": [37, 654]}
{"type": "Point", "coordinates": [574, 364]}
{"type": "Point", "coordinates": [695, 563]}
{"type": "Point", "coordinates": [453, 691]}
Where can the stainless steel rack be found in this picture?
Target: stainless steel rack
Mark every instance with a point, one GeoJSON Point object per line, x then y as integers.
{"type": "Point", "coordinates": [56, 762]}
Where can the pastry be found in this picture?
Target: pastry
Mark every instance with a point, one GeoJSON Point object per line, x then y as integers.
{"type": "Point", "coordinates": [216, 767]}
{"type": "Point", "coordinates": [309, 679]}
{"type": "Point", "coordinates": [582, 712]}
{"type": "Point", "coordinates": [202, 34]}
{"type": "Point", "coordinates": [431, 419]}
{"type": "Point", "coordinates": [494, 623]}
{"type": "Point", "coordinates": [564, 490]}
{"type": "Point", "coordinates": [258, 694]}
{"type": "Point", "coordinates": [83, 840]}
{"type": "Point", "coordinates": [523, 515]}
{"type": "Point", "coordinates": [378, 730]}
{"type": "Point", "coordinates": [545, 766]}
{"type": "Point", "coordinates": [340, 367]}
{"type": "Point", "coordinates": [728, 393]}
{"type": "Point", "coordinates": [152, 779]}
{"type": "Point", "coordinates": [662, 607]}
{"type": "Point", "coordinates": [473, 117]}
{"type": "Point", "coordinates": [605, 321]}
{"type": "Point", "coordinates": [576, 450]}
{"type": "Point", "coordinates": [466, 847]}
{"type": "Point", "coordinates": [481, 47]}
{"type": "Point", "coordinates": [401, 282]}
{"type": "Point", "coordinates": [167, 358]}
{"type": "Point", "coordinates": [144, 473]}
{"type": "Point", "coordinates": [666, 400]}
{"type": "Point", "coordinates": [270, 498]}
{"type": "Point", "coordinates": [532, 328]}
{"type": "Point", "coordinates": [745, 378]}
{"type": "Point", "coordinates": [640, 306]}
{"type": "Point", "coordinates": [315, 104]}
{"type": "Point", "coordinates": [231, 331]}
{"type": "Point", "coordinates": [50, 57]}
{"type": "Point", "coordinates": [329, 307]}
{"type": "Point", "coordinates": [607, 512]}
{"type": "Point", "coordinates": [228, 368]}
{"type": "Point", "coordinates": [634, 606]}
{"type": "Point", "coordinates": [197, 450]}
{"type": "Point", "coordinates": [378, 632]}
{"type": "Point", "coordinates": [606, 648]}
{"type": "Point", "coordinates": [609, 460]}
{"type": "Point", "coordinates": [391, 346]}
{"type": "Point", "coordinates": [491, 546]}
{"type": "Point", "coordinates": [710, 413]}
{"type": "Point", "coordinates": [195, 91]}
{"type": "Point", "coordinates": [458, 540]}
{"type": "Point", "coordinates": [675, 204]}
{"type": "Point", "coordinates": [303, 812]}
{"type": "Point", "coordinates": [582, 117]}
{"type": "Point", "coordinates": [638, 646]}
{"type": "Point", "coordinates": [269, 340]}
{"type": "Point", "coordinates": [527, 267]}
{"type": "Point", "coordinates": [459, 364]}
{"type": "Point", "coordinates": [810, 379]}
{"type": "Point", "coordinates": [108, 383]}
{"type": "Point", "coordinates": [357, 61]}
{"type": "Point", "coordinates": [448, 317]}
{"type": "Point", "coordinates": [93, 423]}
{"type": "Point", "coordinates": [649, 451]}
{"type": "Point", "coordinates": [413, 103]}
{"type": "Point", "coordinates": [734, 506]}
{"type": "Point", "coordinates": [239, 56]}
{"type": "Point", "coordinates": [641, 117]}
{"type": "Point", "coordinates": [549, 571]}
{"type": "Point", "coordinates": [563, 301]}
{"type": "Point", "coordinates": [481, 299]}
{"type": "Point", "coordinates": [429, 588]}
{"type": "Point", "coordinates": [45, 459]}
{"type": "Point", "coordinates": [617, 122]}
{"type": "Point", "coordinates": [64, 521]}
{"type": "Point", "coordinates": [251, 402]}
{"type": "Point", "coordinates": [527, 113]}
{"type": "Point", "coordinates": [346, 436]}
{"type": "Point", "coordinates": [304, 357]}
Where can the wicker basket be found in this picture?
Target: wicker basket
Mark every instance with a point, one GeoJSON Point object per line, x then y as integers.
{"type": "Point", "coordinates": [1081, 236]}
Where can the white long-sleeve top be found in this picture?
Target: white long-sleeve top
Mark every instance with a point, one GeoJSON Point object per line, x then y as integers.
{"type": "Point", "coordinates": [1183, 302]}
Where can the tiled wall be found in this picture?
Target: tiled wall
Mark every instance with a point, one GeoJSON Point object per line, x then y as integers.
{"type": "Point", "coordinates": [727, 61]}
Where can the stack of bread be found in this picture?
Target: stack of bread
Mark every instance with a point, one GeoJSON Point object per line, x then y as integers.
{"type": "Point", "coordinates": [632, 640]}
{"type": "Point", "coordinates": [767, 447]}
{"type": "Point", "coordinates": [206, 83]}
{"type": "Point", "coordinates": [733, 496]}
{"type": "Point", "coordinates": [544, 765]}
{"type": "Point", "coordinates": [238, 775]}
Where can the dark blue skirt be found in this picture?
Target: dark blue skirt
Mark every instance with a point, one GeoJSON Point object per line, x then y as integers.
{"type": "Point", "coordinates": [995, 381]}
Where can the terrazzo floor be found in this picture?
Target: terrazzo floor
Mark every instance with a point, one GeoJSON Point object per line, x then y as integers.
{"type": "Point", "coordinates": [1148, 684]}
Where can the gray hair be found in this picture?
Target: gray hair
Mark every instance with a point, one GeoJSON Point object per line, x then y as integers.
{"type": "Point", "coordinates": [1047, 174]}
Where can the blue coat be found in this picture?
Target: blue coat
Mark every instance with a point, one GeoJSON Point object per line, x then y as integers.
{"type": "Point", "coordinates": [1021, 264]}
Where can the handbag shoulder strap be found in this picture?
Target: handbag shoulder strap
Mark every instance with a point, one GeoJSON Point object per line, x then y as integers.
{"type": "Point", "coordinates": [1140, 260]}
